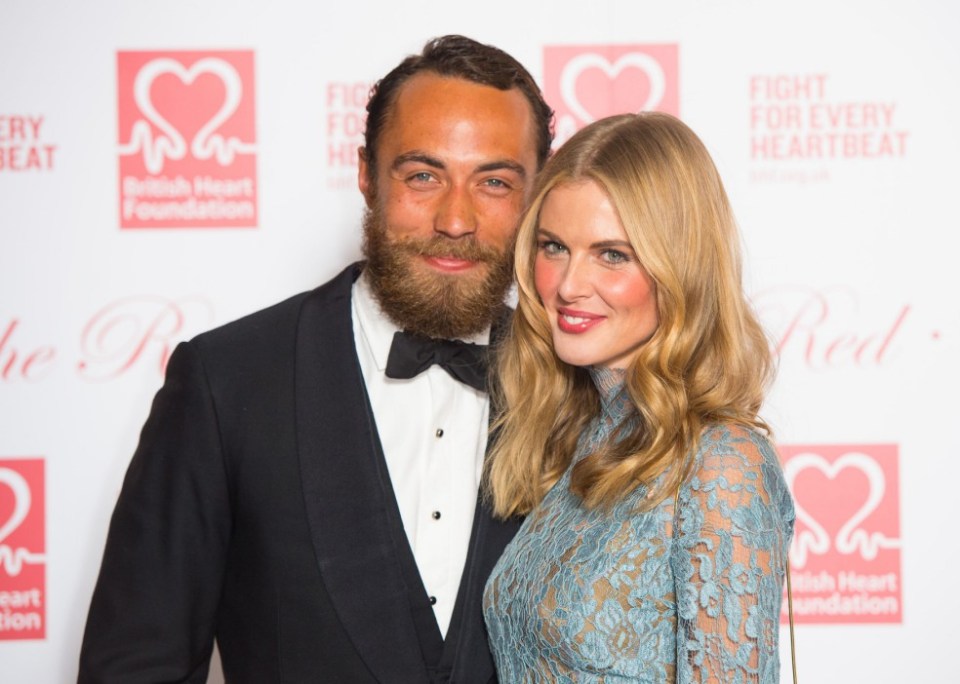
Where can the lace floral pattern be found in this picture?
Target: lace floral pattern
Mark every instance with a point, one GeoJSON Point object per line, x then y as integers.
{"type": "Point", "coordinates": [618, 596]}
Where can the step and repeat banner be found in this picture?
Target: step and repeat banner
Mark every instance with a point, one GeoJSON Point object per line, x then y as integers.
{"type": "Point", "coordinates": [166, 167]}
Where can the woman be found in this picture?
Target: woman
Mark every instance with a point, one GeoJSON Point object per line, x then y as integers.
{"type": "Point", "coordinates": [658, 520]}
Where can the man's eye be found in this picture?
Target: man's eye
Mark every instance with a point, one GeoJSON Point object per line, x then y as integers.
{"type": "Point", "coordinates": [421, 177]}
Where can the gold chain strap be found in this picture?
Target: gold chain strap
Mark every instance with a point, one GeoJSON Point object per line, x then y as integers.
{"type": "Point", "coordinates": [793, 645]}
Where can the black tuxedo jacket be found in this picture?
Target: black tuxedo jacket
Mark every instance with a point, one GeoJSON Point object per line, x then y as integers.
{"type": "Point", "coordinates": [255, 511]}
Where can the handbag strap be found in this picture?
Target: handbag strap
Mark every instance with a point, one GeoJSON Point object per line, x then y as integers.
{"type": "Point", "coordinates": [793, 645]}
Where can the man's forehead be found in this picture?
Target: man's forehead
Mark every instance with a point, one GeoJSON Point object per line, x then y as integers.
{"type": "Point", "coordinates": [432, 113]}
{"type": "Point", "coordinates": [425, 88]}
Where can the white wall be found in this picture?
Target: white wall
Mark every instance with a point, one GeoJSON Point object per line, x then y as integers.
{"type": "Point", "coordinates": [848, 217]}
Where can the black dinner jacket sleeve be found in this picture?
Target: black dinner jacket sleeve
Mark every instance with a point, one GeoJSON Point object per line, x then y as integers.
{"type": "Point", "coordinates": [154, 609]}
{"type": "Point", "coordinates": [209, 538]}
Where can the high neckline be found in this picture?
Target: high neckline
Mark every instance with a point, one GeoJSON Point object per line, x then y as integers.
{"type": "Point", "coordinates": [614, 399]}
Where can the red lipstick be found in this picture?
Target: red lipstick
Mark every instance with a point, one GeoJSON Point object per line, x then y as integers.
{"type": "Point", "coordinates": [576, 322]}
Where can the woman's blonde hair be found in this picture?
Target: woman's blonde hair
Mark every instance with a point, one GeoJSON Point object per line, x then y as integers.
{"type": "Point", "coordinates": [708, 361]}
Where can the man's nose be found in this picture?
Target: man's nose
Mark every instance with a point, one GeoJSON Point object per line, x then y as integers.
{"type": "Point", "coordinates": [456, 215]}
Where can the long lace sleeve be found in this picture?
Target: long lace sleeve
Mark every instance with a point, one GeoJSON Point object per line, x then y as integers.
{"type": "Point", "coordinates": [734, 523]}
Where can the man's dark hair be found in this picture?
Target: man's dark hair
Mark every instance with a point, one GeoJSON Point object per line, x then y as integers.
{"type": "Point", "coordinates": [457, 57]}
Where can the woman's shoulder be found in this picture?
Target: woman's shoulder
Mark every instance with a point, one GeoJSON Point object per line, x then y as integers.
{"type": "Point", "coordinates": [736, 458]}
{"type": "Point", "coordinates": [735, 444]}
{"type": "Point", "coordinates": [737, 466]}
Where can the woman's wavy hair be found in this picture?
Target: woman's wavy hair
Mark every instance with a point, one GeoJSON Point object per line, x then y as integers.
{"type": "Point", "coordinates": [708, 361]}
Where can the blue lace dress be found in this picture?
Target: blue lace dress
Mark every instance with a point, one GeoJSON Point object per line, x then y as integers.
{"type": "Point", "coordinates": [609, 596]}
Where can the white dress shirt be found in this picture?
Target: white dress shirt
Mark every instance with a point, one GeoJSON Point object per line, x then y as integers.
{"type": "Point", "coordinates": [433, 430]}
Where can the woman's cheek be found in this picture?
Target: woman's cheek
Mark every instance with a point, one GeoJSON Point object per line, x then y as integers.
{"type": "Point", "coordinates": [545, 278]}
{"type": "Point", "coordinates": [627, 288]}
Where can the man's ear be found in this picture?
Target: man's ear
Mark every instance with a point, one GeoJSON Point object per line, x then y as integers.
{"type": "Point", "coordinates": [363, 176]}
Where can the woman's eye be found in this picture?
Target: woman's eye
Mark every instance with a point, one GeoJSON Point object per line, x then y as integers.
{"type": "Point", "coordinates": [551, 247]}
{"type": "Point", "coordinates": [615, 256]}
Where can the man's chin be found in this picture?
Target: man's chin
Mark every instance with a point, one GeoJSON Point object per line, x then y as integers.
{"type": "Point", "coordinates": [440, 303]}
{"type": "Point", "coordinates": [434, 288]}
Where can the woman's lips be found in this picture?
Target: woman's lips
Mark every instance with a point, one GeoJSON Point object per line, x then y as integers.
{"type": "Point", "coordinates": [576, 322]}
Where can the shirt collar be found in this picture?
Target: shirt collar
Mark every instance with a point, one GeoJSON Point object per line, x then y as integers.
{"type": "Point", "coordinates": [377, 330]}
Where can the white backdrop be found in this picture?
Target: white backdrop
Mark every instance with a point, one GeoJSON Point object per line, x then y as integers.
{"type": "Point", "coordinates": [833, 124]}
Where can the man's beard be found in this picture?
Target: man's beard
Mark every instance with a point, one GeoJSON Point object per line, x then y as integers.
{"type": "Point", "coordinates": [428, 302]}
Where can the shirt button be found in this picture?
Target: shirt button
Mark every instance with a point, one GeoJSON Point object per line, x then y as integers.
{"type": "Point", "coordinates": [433, 600]}
{"type": "Point", "coordinates": [439, 433]}
{"type": "Point", "coordinates": [435, 515]}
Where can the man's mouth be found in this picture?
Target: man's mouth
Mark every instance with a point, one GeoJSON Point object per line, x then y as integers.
{"type": "Point", "coordinates": [449, 263]}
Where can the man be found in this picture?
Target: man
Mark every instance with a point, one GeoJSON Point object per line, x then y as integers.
{"type": "Point", "coordinates": [302, 494]}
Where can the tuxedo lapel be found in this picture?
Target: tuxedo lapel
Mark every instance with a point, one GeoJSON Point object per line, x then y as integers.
{"type": "Point", "coordinates": [345, 498]}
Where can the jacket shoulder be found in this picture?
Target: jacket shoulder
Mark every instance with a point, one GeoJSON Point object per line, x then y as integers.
{"type": "Point", "coordinates": [267, 339]}
{"type": "Point", "coordinates": [263, 326]}
{"type": "Point", "coordinates": [274, 327]}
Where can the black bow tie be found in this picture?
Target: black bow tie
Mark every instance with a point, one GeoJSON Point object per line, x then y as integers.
{"type": "Point", "coordinates": [411, 354]}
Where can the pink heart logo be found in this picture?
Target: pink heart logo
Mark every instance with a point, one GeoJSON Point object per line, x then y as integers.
{"type": "Point", "coordinates": [592, 87]}
{"type": "Point", "coordinates": [214, 110]}
{"type": "Point", "coordinates": [13, 559]}
{"type": "Point", "coordinates": [21, 501]}
{"type": "Point", "coordinates": [832, 499]}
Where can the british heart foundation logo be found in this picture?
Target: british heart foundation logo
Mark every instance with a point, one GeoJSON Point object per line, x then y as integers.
{"type": "Point", "coordinates": [588, 82]}
{"type": "Point", "coordinates": [22, 557]}
{"type": "Point", "coordinates": [187, 140]}
{"type": "Point", "coordinates": [845, 556]}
